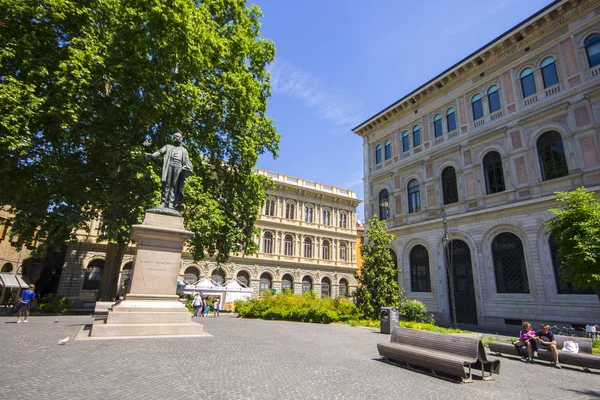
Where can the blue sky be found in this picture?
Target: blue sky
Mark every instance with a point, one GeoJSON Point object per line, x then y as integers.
{"type": "Point", "coordinates": [338, 62]}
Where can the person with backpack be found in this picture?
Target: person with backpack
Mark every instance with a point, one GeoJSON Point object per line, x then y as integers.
{"type": "Point", "coordinates": [27, 298]}
{"type": "Point", "coordinates": [198, 305]}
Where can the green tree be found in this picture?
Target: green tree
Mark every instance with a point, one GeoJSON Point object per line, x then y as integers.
{"type": "Point", "coordinates": [378, 277]}
{"type": "Point", "coordinates": [84, 84]}
{"type": "Point", "coordinates": [576, 230]}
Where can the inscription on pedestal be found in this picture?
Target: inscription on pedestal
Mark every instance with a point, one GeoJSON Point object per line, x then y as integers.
{"type": "Point", "coordinates": [155, 272]}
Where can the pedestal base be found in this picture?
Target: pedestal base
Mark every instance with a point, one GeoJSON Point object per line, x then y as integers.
{"type": "Point", "coordinates": [147, 318]}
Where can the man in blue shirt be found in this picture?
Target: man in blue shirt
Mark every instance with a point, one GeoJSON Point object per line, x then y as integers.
{"type": "Point", "coordinates": [27, 298]}
{"type": "Point", "coordinates": [543, 340]}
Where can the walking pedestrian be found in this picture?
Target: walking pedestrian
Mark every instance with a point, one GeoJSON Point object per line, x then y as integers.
{"type": "Point", "coordinates": [216, 308]}
{"type": "Point", "coordinates": [27, 298]}
{"type": "Point", "coordinates": [197, 304]}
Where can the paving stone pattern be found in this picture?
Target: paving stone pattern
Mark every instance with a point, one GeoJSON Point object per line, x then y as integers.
{"type": "Point", "coordinates": [245, 359]}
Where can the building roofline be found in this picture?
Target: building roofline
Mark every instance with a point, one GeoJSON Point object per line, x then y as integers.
{"type": "Point", "coordinates": [481, 49]}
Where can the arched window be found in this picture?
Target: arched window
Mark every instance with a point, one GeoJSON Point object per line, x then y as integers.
{"type": "Point", "coordinates": [8, 267]}
{"type": "Point", "coordinates": [477, 107]}
{"type": "Point", "coordinates": [419, 269]}
{"type": "Point", "coordinates": [551, 153]}
{"type": "Point", "coordinates": [384, 205]}
{"type": "Point", "coordinates": [405, 141]}
{"type": "Point", "coordinates": [218, 275]}
{"type": "Point", "coordinates": [343, 287]}
{"type": "Point", "coordinates": [308, 214]}
{"type": "Point", "coordinates": [265, 282]}
{"type": "Point", "coordinates": [549, 74]}
{"type": "Point", "coordinates": [378, 154]}
{"type": "Point", "coordinates": [288, 245]}
{"type": "Point", "coordinates": [268, 242]}
{"type": "Point", "coordinates": [509, 264]}
{"type": "Point", "coordinates": [244, 278]}
{"type": "Point", "coordinates": [325, 250]}
{"type": "Point", "coordinates": [307, 248]}
{"type": "Point", "coordinates": [449, 187]}
{"type": "Point", "coordinates": [414, 197]}
{"type": "Point", "coordinates": [325, 287]}
{"type": "Point", "coordinates": [93, 274]}
{"type": "Point", "coordinates": [416, 136]}
{"type": "Point", "coordinates": [494, 99]}
{"type": "Point", "coordinates": [290, 210]}
{"type": "Point", "coordinates": [307, 284]}
{"type": "Point", "coordinates": [592, 49]}
{"type": "Point", "coordinates": [394, 258]}
{"type": "Point", "coordinates": [494, 176]}
{"type": "Point", "coordinates": [562, 285]}
{"type": "Point", "coordinates": [388, 150]}
{"type": "Point", "coordinates": [451, 119]}
{"type": "Point", "coordinates": [437, 126]}
{"type": "Point", "coordinates": [287, 283]}
{"type": "Point", "coordinates": [191, 275]}
{"type": "Point", "coordinates": [527, 82]}
{"type": "Point", "coordinates": [343, 251]}
{"type": "Point", "coordinates": [270, 207]}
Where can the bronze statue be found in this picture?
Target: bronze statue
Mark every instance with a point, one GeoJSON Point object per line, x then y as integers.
{"type": "Point", "coordinates": [176, 167]}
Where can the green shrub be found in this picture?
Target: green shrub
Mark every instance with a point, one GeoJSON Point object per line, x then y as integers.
{"type": "Point", "coordinates": [413, 311]}
{"type": "Point", "coordinates": [424, 326]}
{"type": "Point", "coordinates": [306, 307]}
{"type": "Point", "coordinates": [52, 303]}
{"type": "Point", "coordinates": [595, 347]}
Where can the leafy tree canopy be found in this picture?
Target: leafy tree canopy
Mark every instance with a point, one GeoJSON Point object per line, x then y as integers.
{"type": "Point", "coordinates": [85, 83]}
{"type": "Point", "coordinates": [576, 230]}
{"type": "Point", "coordinates": [378, 278]}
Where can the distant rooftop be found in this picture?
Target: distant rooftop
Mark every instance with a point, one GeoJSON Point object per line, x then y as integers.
{"type": "Point", "coordinates": [304, 183]}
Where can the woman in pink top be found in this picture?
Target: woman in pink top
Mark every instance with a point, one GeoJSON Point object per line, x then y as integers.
{"type": "Point", "coordinates": [524, 336]}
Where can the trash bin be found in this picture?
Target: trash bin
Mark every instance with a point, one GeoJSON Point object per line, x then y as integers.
{"type": "Point", "coordinates": [388, 319]}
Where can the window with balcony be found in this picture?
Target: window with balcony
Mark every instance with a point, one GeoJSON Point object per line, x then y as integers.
{"type": "Point", "coordinates": [268, 242]}
{"type": "Point", "coordinates": [325, 250]}
{"type": "Point", "coordinates": [592, 50]}
{"type": "Point", "coordinates": [388, 150]}
{"type": "Point", "coordinates": [449, 186]}
{"type": "Point", "coordinates": [527, 83]}
{"type": "Point", "coordinates": [553, 163]}
{"type": "Point", "coordinates": [405, 141]}
{"type": "Point", "coordinates": [343, 220]}
{"type": "Point", "coordinates": [477, 107]}
{"type": "Point", "coordinates": [416, 136]}
{"type": "Point", "coordinates": [549, 74]}
{"type": "Point", "coordinates": [308, 214]}
{"type": "Point", "coordinates": [343, 251]}
{"type": "Point", "coordinates": [288, 245]}
{"type": "Point", "coordinates": [326, 217]}
{"type": "Point", "coordinates": [451, 119]}
{"type": "Point", "coordinates": [437, 126]}
{"type": "Point", "coordinates": [307, 248]}
{"type": "Point", "coordinates": [493, 99]}
{"type": "Point", "coordinates": [378, 154]}
{"type": "Point", "coordinates": [414, 197]}
{"type": "Point", "coordinates": [270, 207]}
{"type": "Point", "coordinates": [384, 205]}
{"type": "Point", "coordinates": [494, 175]}
{"type": "Point", "coordinates": [290, 211]}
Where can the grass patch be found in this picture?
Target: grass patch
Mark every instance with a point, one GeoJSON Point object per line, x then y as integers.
{"type": "Point", "coordinates": [596, 347]}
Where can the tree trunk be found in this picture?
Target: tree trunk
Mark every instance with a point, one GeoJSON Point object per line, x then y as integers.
{"type": "Point", "coordinates": [110, 273]}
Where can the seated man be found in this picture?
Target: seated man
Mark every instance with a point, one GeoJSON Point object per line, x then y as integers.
{"type": "Point", "coordinates": [543, 340]}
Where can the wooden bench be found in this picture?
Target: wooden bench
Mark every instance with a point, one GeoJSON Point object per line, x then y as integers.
{"type": "Point", "coordinates": [438, 352]}
{"type": "Point", "coordinates": [584, 358]}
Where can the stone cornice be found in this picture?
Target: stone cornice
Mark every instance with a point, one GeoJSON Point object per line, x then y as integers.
{"type": "Point", "coordinates": [553, 18]}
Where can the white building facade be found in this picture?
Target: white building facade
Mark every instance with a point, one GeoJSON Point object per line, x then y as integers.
{"type": "Point", "coordinates": [472, 159]}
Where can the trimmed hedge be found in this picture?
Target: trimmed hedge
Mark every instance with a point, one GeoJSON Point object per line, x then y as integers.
{"type": "Point", "coordinates": [306, 307]}
{"type": "Point", "coordinates": [52, 303]}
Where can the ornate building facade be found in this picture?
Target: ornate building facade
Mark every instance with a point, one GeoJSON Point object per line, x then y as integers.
{"type": "Point", "coordinates": [464, 171]}
{"type": "Point", "coordinates": [307, 241]}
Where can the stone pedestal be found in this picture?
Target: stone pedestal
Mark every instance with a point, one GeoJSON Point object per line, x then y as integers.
{"type": "Point", "coordinates": [152, 308]}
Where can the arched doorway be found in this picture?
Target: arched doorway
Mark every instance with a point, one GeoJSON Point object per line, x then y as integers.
{"type": "Point", "coordinates": [218, 275]}
{"type": "Point", "coordinates": [93, 275]}
{"type": "Point", "coordinates": [287, 282]}
{"type": "Point", "coordinates": [458, 257]}
{"type": "Point", "coordinates": [265, 282]}
{"type": "Point", "coordinates": [307, 284]}
{"type": "Point", "coordinates": [244, 278]}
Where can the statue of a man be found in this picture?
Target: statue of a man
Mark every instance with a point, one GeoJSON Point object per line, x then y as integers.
{"type": "Point", "coordinates": [176, 167]}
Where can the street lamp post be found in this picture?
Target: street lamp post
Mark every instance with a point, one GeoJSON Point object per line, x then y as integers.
{"type": "Point", "coordinates": [449, 266]}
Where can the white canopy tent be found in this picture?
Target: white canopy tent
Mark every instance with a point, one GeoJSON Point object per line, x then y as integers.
{"type": "Point", "coordinates": [228, 293]}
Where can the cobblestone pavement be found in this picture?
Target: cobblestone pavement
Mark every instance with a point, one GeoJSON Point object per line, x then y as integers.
{"type": "Point", "coordinates": [245, 359]}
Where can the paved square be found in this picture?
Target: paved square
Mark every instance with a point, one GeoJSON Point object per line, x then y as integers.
{"type": "Point", "coordinates": [246, 359]}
